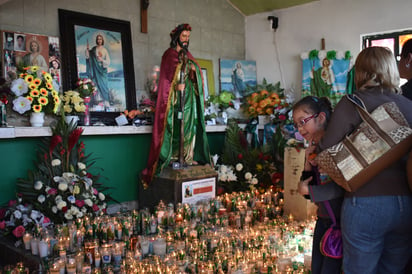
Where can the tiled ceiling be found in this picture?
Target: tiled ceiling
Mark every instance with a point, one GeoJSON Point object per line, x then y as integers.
{"type": "Point", "coordinates": [250, 7]}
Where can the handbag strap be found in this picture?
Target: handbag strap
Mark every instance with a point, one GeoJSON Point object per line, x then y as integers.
{"type": "Point", "coordinates": [330, 212]}
{"type": "Point", "coordinates": [367, 118]}
{"type": "Point", "coordinates": [326, 203]}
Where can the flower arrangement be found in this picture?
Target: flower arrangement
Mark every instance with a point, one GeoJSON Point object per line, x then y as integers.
{"type": "Point", "coordinates": [63, 187]}
{"type": "Point", "coordinates": [86, 87]}
{"type": "Point", "coordinates": [73, 103]}
{"type": "Point", "coordinates": [35, 91]}
{"type": "Point", "coordinates": [17, 218]}
{"type": "Point", "coordinates": [268, 99]}
{"type": "Point", "coordinates": [224, 100]}
{"type": "Point", "coordinates": [242, 167]}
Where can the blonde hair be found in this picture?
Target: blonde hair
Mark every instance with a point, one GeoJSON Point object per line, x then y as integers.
{"type": "Point", "coordinates": [376, 67]}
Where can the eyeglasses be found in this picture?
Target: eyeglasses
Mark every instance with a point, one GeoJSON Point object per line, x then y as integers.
{"type": "Point", "coordinates": [305, 120]}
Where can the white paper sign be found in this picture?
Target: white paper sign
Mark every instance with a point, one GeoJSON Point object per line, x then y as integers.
{"type": "Point", "coordinates": [197, 190]}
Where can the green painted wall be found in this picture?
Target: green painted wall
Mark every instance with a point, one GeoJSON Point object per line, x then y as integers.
{"type": "Point", "coordinates": [121, 157]}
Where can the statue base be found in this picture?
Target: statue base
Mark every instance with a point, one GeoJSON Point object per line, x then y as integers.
{"type": "Point", "coordinates": [168, 186]}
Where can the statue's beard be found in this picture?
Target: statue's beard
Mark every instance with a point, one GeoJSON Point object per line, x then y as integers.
{"type": "Point", "coordinates": [184, 45]}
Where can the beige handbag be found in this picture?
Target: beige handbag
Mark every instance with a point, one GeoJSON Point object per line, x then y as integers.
{"type": "Point", "coordinates": [380, 140]}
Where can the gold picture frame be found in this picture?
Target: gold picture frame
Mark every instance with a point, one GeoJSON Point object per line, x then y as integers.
{"type": "Point", "coordinates": [207, 70]}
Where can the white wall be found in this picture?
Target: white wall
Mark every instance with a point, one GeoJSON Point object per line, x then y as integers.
{"type": "Point", "coordinates": [339, 22]}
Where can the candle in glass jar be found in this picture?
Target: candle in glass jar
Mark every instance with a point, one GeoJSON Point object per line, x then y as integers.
{"type": "Point", "coordinates": [43, 248]}
{"type": "Point", "coordinates": [34, 246]}
{"type": "Point", "coordinates": [159, 247]}
{"type": "Point", "coordinates": [26, 239]}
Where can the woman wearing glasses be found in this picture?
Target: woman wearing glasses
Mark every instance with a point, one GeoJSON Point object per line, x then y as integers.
{"type": "Point", "coordinates": [311, 115]}
{"type": "Point", "coordinates": [376, 220]}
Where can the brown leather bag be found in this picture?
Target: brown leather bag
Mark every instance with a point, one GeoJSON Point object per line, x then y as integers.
{"type": "Point", "coordinates": [383, 138]}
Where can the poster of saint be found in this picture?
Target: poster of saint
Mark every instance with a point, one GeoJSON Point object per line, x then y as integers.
{"type": "Point", "coordinates": [324, 74]}
{"type": "Point", "coordinates": [99, 58]}
{"type": "Point", "coordinates": [236, 76]}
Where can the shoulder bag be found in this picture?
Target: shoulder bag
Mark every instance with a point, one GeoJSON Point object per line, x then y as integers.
{"type": "Point", "coordinates": [383, 137]}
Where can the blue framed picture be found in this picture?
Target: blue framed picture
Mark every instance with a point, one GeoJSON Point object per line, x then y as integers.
{"type": "Point", "coordinates": [237, 75]}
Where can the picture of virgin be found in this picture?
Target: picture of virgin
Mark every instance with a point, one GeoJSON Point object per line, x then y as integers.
{"type": "Point", "coordinates": [99, 58]}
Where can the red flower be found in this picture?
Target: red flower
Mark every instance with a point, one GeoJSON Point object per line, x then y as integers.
{"type": "Point", "coordinates": [52, 191]}
{"type": "Point", "coordinates": [64, 209]}
{"type": "Point", "coordinates": [276, 177]}
{"type": "Point", "coordinates": [240, 156]}
{"type": "Point", "coordinates": [74, 137]}
{"type": "Point", "coordinates": [2, 225]}
{"type": "Point", "coordinates": [46, 220]}
{"type": "Point", "coordinates": [95, 207]}
{"type": "Point", "coordinates": [19, 231]}
{"type": "Point", "coordinates": [282, 117]}
{"type": "Point", "coordinates": [79, 203]}
{"type": "Point", "coordinates": [2, 213]}
{"type": "Point", "coordinates": [12, 203]}
{"type": "Point", "coordinates": [55, 140]}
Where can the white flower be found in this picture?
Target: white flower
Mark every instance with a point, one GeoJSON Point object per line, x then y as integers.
{"type": "Point", "coordinates": [38, 185]}
{"type": "Point", "coordinates": [21, 104]}
{"type": "Point", "coordinates": [54, 209]}
{"type": "Point", "coordinates": [81, 166]}
{"type": "Point", "coordinates": [291, 142]}
{"type": "Point", "coordinates": [17, 214]}
{"type": "Point", "coordinates": [35, 215]}
{"type": "Point", "coordinates": [239, 167]}
{"type": "Point", "coordinates": [88, 202]}
{"type": "Point", "coordinates": [41, 198]}
{"type": "Point", "coordinates": [61, 204]}
{"type": "Point", "coordinates": [101, 196]}
{"type": "Point", "coordinates": [248, 175]}
{"type": "Point", "coordinates": [58, 199]}
{"type": "Point", "coordinates": [68, 215]}
{"type": "Point", "coordinates": [56, 162]}
{"type": "Point", "coordinates": [19, 87]}
{"type": "Point", "coordinates": [223, 168]}
{"type": "Point", "coordinates": [223, 177]}
{"type": "Point", "coordinates": [254, 181]}
{"type": "Point", "coordinates": [79, 215]}
{"type": "Point", "coordinates": [63, 186]}
{"type": "Point", "coordinates": [84, 209]}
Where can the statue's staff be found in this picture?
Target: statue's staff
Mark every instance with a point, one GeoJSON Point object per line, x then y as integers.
{"type": "Point", "coordinates": [183, 60]}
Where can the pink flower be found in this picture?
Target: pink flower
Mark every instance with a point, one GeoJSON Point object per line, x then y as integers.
{"type": "Point", "coordinates": [79, 203]}
{"type": "Point", "coordinates": [19, 231]}
{"type": "Point", "coordinates": [95, 207]}
{"type": "Point", "coordinates": [46, 220]}
{"type": "Point", "coordinates": [95, 192]}
{"type": "Point", "coordinates": [52, 191]}
{"type": "Point", "coordinates": [12, 203]}
{"type": "Point", "coordinates": [2, 225]}
{"type": "Point", "coordinates": [2, 213]}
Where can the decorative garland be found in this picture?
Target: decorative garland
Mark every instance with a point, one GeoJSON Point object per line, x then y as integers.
{"type": "Point", "coordinates": [331, 55]}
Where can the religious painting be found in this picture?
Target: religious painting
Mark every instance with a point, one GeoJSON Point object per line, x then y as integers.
{"type": "Point", "coordinates": [99, 48]}
{"type": "Point", "coordinates": [27, 49]}
{"type": "Point", "coordinates": [237, 76]}
{"type": "Point", "coordinates": [325, 74]}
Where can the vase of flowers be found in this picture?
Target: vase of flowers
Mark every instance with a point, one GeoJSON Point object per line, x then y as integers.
{"type": "Point", "coordinates": [73, 106]}
{"type": "Point", "coordinates": [35, 92]}
{"type": "Point", "coordinates": [267, 99]}
{"type": "Point", "coordinates": [87, 89]}
{"type": "Point", "coordinates": [37, 119]}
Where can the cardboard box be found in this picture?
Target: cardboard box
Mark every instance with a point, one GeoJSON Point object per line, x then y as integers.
{"type": "Point", "coordinates": [294, 203]}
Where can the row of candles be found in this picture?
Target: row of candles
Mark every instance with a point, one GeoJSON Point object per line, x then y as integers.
{"type": "Point", "coordinates": [244, 232]}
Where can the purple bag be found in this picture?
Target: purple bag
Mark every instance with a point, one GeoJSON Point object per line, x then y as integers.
{"type": "Point", "coordinates": [331, 242]}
